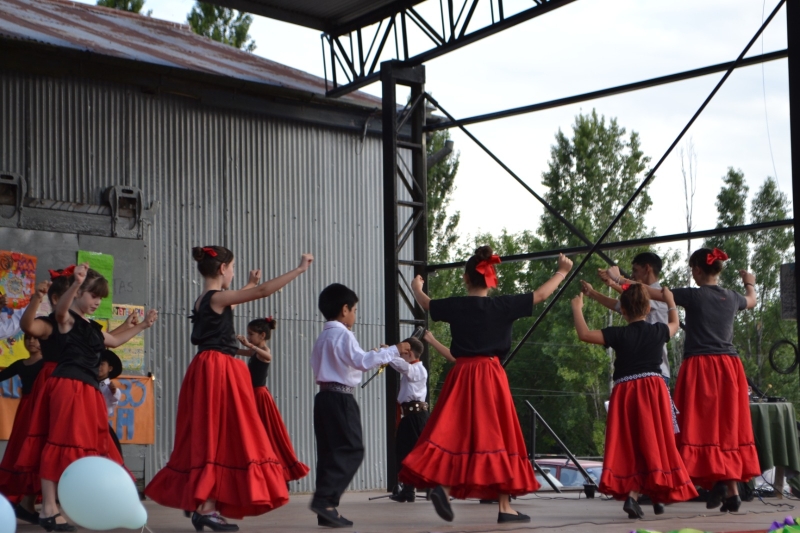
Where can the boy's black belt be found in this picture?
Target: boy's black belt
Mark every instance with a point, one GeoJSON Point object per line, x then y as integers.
{"type": "Point", "coordinates": [413, 407]}
{"type": "Point", "coordinates": [332, 386]}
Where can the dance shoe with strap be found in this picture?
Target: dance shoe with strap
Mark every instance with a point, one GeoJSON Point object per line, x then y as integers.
{"type": "Point", "coordinates": [213, 521]}
{"type": "Point", "coordinates": [503, 518]}
{"type": "Point", "coordinates": [50, 524]}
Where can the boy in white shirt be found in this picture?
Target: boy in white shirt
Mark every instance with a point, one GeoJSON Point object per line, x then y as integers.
{"type": "Point", "coordinates": [339, 363]}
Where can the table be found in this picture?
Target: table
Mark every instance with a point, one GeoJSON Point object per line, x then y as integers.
{"type": "Point", "coordinates": [775, 433]}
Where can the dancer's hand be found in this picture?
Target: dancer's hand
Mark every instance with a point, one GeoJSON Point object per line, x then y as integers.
{"type": "Point", "coordinates": [417, 283]}
{"type": "Point", "coordinates": [41, 292]}
{"type": "Point", "coordinates": [244, 341]}
{"type": "Point", "coordinates": [150, 318]}
{"type": "Point", "coordinates": [255, 277]}
{"type": "Point", "coordinates": [669, 298]}
{"type": "Point", "coordinates": [586, 287]}
{"type": "Point", "coordinates": [564, 264]}
{"type": "Point", "coordinates": [305, 262]}
{"type": "Point", "coordinates": [79, 275]}
{"type": "Point", "coordinates": [613, 274]}
{"type": "Point", "coordinates": [112, 387]}
{"type": "Point", "coordinates": [132, 320]}
{"type": "Point", "coordinates": [428, 337]}
{"type": "Point", "coordinates": [747, 277]}
{"type": "Point", "coordinates": [577, 302]}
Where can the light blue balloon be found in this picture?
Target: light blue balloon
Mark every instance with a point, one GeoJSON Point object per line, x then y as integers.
{"type": "Point", "coordinates": [97, 493]}
{"type": "Point", "coordinates": [8, 520]}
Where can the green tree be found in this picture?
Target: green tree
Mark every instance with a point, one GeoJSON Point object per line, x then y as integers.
{"type": "Point", "coordinates": [222, 24]}
{"type": "Point", "coordinates": [134, 6]}
{"type": "Point", "coordinates": [732, 211]}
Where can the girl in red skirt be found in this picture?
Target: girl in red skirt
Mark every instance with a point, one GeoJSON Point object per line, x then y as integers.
{"type": "Point", "coordinates": [716, 439]}
{"type": "Point", "coordinates": [222, 462]}
{"type": "Point", "coordinates": [259, 332]}
{"type": "Point", "coordinates": [640, 451]}
{"type": "Point", "coordinates": [69, 420]}
{"type": "Point", "coordinates": [16, 486]}
{"type": "Point", "coordinates": [472, 446]}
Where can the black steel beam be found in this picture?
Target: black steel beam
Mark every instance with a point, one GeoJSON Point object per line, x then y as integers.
{"type": "Point", "coordinates": [642, 186]}
{"type": "Point", "coordinates": [450, 45]}
{"type": "Point", "coordinates": [793, 45]}
{"type": "Point", "coordinates": [620, 89]}
{"type": "Point", "coordinates": [621, 245]}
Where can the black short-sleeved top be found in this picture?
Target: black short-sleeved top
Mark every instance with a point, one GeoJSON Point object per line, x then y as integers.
{"type": "Point", "coordinates": [481, 325]}
{"type": "Point", "coordinates": [639, 347]}
{"type": "Point", "coordinates": [27, 373]}
{"type": "Point", "coordinates": [81, 355]}
{"type": "Point", "coordinates": [710, 311]}
{"type": "Point", "coordinates": [53, 345]}
{"type": "Point", "coordinates": [212, 330]}
{"type": "Point", "coordinates": [259, 371]}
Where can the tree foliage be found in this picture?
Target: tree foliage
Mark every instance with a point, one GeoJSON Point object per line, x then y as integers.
{"type": "Point", "coordinates": [134, 6]}
{"type": "Point", "coordinates": [222, 24]}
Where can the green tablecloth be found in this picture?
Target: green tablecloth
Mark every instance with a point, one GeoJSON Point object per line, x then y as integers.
{"type": "Point", "coordinates": [776, 436]}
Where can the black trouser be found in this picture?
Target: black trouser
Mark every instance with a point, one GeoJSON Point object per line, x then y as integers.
{"type": "Point", "coordinates": [340, 448]}
{"type": "Point", "coordinates": [408, 432]}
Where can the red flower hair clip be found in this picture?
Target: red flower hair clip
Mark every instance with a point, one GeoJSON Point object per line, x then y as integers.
{"type": "Point", "coordinates": [64, 272]}
{"type": "Point", "coordinates": [716, 255]}
{"type": "Point", "coordinates": [210, 251]}
{"type": "Point", "coordinates": [625, 286]}
{"type": "Point", "coordinates": [269, 319]}
{"type": "Point", "coordinates": [487, 269]}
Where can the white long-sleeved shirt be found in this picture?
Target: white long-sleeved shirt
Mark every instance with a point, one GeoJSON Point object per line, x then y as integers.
{"type": "Point", "coordinates": [112, 399]}
{"type": "Point", "coordinates": [338, 358]}
{"type": "Point", "coordinates": [413, 380]}
{"type": "Point", "coordinates": [9, 325]}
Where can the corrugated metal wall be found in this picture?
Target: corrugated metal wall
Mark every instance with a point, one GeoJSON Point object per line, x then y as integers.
{"type": "Point", "coordinates": [269, 190]}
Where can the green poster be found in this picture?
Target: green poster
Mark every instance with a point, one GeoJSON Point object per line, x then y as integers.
{"type": "Point", "coordinates": [104, 264]}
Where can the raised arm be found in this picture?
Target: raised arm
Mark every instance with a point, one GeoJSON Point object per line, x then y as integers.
{"type": "Point", "coordinates": [584, 333]}
{"type": "Point", "coordinates": [673, 321]}
{"type": "Point", "coordinates": [548, 287]}
{"type": "Point", "coordinates": [64, 319]}
{"type": "Point", "coordinates": [118, 339]}
{"type": "Point", "coordinates": [41, 329]}
{"type": "Point", "coordinates": [252, 281]}
{"type": "Point", "coordinates": [438, 346]}
{"type": "Point", "coordinates": [611, 277]}
{"type": "Point", "coordinates": [263, 354]}
{"type": "Point", "coordinates": [749, 281]}
{"type": "Point", "coordinates": [605, 301]}
{"type": "Point", "coordinates": [221, 300]}
{"type": "Point", "coordinates": [132, 320]}
{"type": "Point", "coordinates": [422, 299]}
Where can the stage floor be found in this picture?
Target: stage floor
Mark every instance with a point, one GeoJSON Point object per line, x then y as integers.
{"type": "Point", "coordinates": [568, 513]}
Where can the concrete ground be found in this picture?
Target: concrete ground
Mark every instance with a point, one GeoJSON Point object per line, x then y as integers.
{"type": "Point", "coordinates": [567, 513]}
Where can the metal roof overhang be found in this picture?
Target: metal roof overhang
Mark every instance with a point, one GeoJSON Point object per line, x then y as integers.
{"type": "Point", "coordinates": [330, 16]}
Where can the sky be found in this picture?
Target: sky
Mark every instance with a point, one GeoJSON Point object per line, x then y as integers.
{"type": "Point", "coordinates": [585, 46]}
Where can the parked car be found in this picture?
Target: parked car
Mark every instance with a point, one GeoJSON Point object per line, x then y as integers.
{"type": "Point", "coordinates": [545, 485]}
{"type": "Point", "coordinates": [565, 471]}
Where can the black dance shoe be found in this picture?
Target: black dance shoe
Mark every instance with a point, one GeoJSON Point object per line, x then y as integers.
{"type": "Point", "coordinates": [213, 521]}
{"type": "Point", "coordinates": [716, 495]}
{"type": "Point", "coordinates": [405, 495]}
{"type": "Point", "coordinates": [50, 524]}
{"type": "Point", "coordinates": [658, 508]}
{"type": "Point", "coordinates": [25, 515]}
{"type": "Point", "coordinates": [632, 508]}
{"type": "Point", "coordinates": [442, 504]}
{"type": "Point", "coordinates": [330, 517]}
{"type": "Point", "coordinates": [502, 518]}
{"type": "Point", "coordinates": [731, 504]}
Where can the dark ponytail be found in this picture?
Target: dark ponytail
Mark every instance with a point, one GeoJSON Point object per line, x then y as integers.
{"type": "Point", "coordinates": [476, 279]}
{"type": "Point", "coordinates": [210, 258]}
{"type": "Point", "coordinates": [263, 325]}
{"type": "Point", "coordinates": [700, 259]}
{"type": "Point", "coordinates": [634, 300]}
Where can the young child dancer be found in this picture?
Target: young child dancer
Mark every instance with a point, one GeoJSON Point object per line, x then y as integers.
{"type": "Point", "coordinates": [73, 421]}
{"type": "Point", "coordinates": [110, 368]}
{"type": "Point", "coordinates": [472, 446]}
{"type": "Point", "coordinates": [646, 269]}
{"type": "Point", "coordinates": [716, 439]}
{"type": "Point", "coordinates": [222, 462]}
{"type": "Point", "coordinates": [259, 331]}
{"type": "Point", "coordinates": [411, 397]}
{"type": "Point", "coordinates": [640, 451]}
{"type": "Point", "coordinates": [338, 363]}
{"type": "Point", "coordinates": [27, 370]}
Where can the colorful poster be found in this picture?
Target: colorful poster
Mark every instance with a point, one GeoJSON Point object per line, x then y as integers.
{"type": "Point", "coordinates": [132, 352]}
{"type": "Point", "coordinates": [104, 264]}
{"type": "Point", "coordinates": [17, 278]}
{"type": "Point", "coordinates": [133, 418]}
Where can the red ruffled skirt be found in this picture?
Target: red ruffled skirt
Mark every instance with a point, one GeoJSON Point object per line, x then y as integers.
{"type": "Point", "coordinates": [221, 449]}
{"type": "Point", "coordinates": [278, 435]}
{"type": "Point", "coordinates": [640, 451]}
{"type": "Point", "coordinates": [472, 442]}
{"type": "Point", "coordinates": [13, 482]}
{"type": "Point", "coordinates": [69, 421]}
{"type": "Point", "coordinates": [716, 439]}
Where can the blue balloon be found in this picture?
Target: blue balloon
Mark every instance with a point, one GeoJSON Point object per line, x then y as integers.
{"type": "Point", "coordinates": [97, 493]}
{"type": "Point", "coordinates": [8, 520]}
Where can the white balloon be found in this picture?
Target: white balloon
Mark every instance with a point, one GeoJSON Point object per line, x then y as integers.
{"type": "Point", "coordinates": [97, 493]}
{"type": "Point", "coordinates": [8, 520]}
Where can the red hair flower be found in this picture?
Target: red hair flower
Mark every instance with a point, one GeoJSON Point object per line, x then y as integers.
{"type": "Point", "coordinates": [210, 251]}
{"type": "Point", "coordinates": [64, 272]}
{"type": "Point", "coordinates": [269, 319]}
{"type": "Point", "coordinates": [625, 286]}
{"type": "Point", "coordinates": [487, 269]}
{"type": "Point", "coordinates": [716, 255]}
